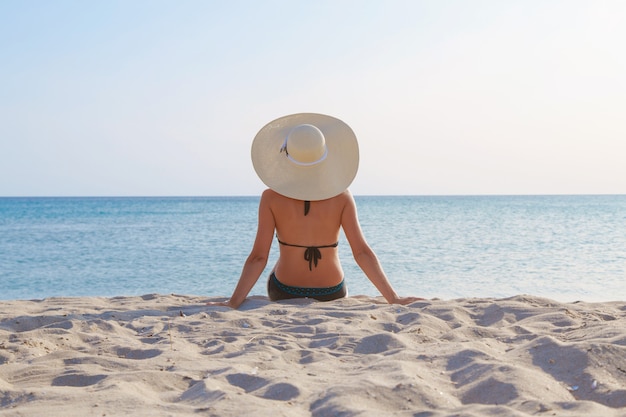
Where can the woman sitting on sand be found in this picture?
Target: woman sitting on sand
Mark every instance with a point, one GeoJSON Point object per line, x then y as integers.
{"type": "Point", "coordinates": [308, 161]}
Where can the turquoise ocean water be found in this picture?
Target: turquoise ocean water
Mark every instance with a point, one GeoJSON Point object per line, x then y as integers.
{"type": "Point", "coordinates": [563, 247]}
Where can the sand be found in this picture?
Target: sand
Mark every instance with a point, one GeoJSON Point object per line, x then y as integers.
{"type": "Point", "coordinates": [170, 355]}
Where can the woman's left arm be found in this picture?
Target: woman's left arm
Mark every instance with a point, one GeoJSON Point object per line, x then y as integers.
{"type": "Point", "coordinates": [257, 260]}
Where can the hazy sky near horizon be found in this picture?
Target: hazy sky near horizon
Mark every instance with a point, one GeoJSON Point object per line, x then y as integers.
{"type": "Point", "coordinates": [153, 97]}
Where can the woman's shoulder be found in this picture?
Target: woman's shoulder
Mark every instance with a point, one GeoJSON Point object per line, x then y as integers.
{"type": "Point", "coordinates": [271, 198]}
{"type": "Point", "coordinates": [345, 197]}
{"type": "Point", "coordinates": [270, 194]}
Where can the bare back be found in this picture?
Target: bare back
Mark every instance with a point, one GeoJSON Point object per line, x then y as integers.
{"type": "Point", "coordinates": [319, 227]}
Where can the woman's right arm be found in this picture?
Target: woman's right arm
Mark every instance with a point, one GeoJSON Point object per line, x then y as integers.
{"type": "Point", "coordinates": [365, 256]}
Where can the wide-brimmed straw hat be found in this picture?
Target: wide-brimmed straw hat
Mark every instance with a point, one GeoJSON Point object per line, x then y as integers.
{"type": "Point", "coordinates": [306, 156]}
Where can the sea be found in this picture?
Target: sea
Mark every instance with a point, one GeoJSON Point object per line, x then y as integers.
{"type": "Point", "coordinates": [566, 247]}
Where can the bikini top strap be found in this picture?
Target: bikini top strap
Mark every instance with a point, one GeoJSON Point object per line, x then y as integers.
{"type": "Point", "coordinates": [312, 254]}
{"type": "Point", "coordinates": [332, 245]}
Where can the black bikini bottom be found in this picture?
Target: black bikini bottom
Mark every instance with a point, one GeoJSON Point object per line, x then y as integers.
{"type": "Point", "coordinates": [279, 291]}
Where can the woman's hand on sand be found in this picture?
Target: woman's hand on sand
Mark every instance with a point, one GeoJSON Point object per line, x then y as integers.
{"type": "Point", "coordinates": [407, 300]}
{"type": "Point", "coordinates": [220, 304]}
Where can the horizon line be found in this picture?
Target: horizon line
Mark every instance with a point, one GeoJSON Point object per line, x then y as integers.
{"type": "Point", "coordinates": [355, 195]}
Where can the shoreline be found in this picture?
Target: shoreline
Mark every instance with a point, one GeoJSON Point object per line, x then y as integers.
{"type": "Point", "coordinates": [170, 354]}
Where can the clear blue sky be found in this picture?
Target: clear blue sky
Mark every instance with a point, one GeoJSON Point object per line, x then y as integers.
{"type": "Point", "coordinates": [446, 97]}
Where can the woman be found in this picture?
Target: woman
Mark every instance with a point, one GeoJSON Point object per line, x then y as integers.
{"type": "Point", "coordinates": [308, 161]}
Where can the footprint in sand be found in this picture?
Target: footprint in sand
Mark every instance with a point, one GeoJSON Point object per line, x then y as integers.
{"type": "Point", "coordinates": [76, 380]}
{"type": "Point", "coordinates": [252, 383]}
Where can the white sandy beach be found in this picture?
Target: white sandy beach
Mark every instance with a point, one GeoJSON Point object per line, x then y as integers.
{"type": "Point", "coordinates": [161, 355]}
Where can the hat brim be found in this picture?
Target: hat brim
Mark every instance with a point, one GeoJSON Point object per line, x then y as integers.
{"type": "Point", "coordinates": [321, 181]}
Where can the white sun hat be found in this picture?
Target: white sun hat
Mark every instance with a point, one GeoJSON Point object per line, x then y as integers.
{"type": "Point", "coordinates": [306, 156]}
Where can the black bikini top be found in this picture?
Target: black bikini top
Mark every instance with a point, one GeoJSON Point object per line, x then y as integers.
{"type": "Point", "coordinates": [311, 253]}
